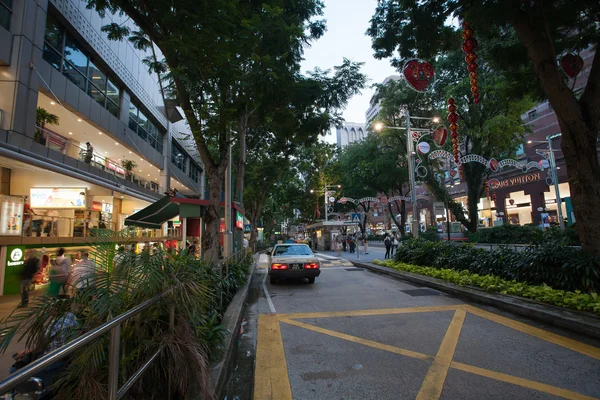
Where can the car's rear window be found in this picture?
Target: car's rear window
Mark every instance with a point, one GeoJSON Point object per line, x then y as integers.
{"type": "Point", "coordinates": [295, 250]}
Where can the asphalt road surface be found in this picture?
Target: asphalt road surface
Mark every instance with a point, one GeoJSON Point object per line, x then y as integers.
{"type": "Point", "coordinates": [359, 335]}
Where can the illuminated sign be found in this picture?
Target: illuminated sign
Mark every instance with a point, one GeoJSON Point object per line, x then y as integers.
{"type": "Point", "coordinates": [239, 220]}
{"type": "Point", "coordinates": [14, 256]}
{"type": "Point", "coordinates": [96, 206]}
{"type": "Point", "coordinates": [518, 180]}
{"type": "Point", "coordinates": [11, 215]}
{"type": "Point", "coordinates": [57, 197]}
{"type": "Point", "coordinates": [115, 168]}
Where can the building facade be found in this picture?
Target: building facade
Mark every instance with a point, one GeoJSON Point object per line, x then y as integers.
{"type": "Point", "coordinates": [350, 132]}
{"type": "Point", "coordinates": [375, 106]}
{"type": "Point", "coordinates": [64, 84]}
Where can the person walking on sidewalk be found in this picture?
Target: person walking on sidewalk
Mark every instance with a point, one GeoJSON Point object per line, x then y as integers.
{"type": "Point", "coordinates": [388, 245]}
{"type": "Point", "coordinates": [366, 245]}
{"type": "Point", "coordinates": [395, 244]}
{"type": "Point", "coordinates": [338, 245]}
{"type": "Point", "coordinates": [30, 268]}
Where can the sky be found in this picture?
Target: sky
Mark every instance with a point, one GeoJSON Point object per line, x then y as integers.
{"type": "Point", "coordinates": [347, 22]}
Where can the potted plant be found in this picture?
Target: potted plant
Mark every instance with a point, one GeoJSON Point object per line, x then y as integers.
{"type": "Point", "coordinates": [128, 166]}
{"type": "Point", "coordinates": [43, 117]}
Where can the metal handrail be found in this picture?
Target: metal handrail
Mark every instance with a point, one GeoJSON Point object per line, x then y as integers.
{"type": "Point", "coordinates": [114, 326]}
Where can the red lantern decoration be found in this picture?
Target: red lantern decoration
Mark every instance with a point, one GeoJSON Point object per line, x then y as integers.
{"type": "Point", "coordinates": [486, 185]}
{"type": "Point", "coordinates": [453, 118]}
{"type": "Point", "coordinates": [468, 47]}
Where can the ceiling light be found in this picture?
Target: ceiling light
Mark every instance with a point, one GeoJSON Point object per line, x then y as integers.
{"type": "Point", "coordinates": [70, 133]}
{"type": "Point", "coordinates": [148, 174]}
{"type": "Point", "coordinates": [99, 133]}
{"type": "Point", "coordinates": [103, 201]}
{"type": "Point", "coordinates": [129, 152]}
{"type": "Point", "coordinates": [53, 103]}
{"type": "Point", "coordinates": [141, 159]}
{"type": "Point", "coordinates": [116, 143]}
{"type": "Point", "coordinates": [106, 152]}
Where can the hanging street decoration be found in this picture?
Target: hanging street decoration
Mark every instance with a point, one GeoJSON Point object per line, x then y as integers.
{"type": "Point", "coordinates": [469, 46]}
{"type": "Point", "coordinates": [493, 165]}
{"type": "Point", "coordinates": [453, 119]}
{"type": "Point", "coordinates": [440, 135]}
{"type": "Point", "coordinates": [418, 74]}
{"type": "Point", "coordinates": [423, 147]}
{"type": "Point", "coordinates": [571, 64]}
{"type": "Point", "coordinates": [486, 185]}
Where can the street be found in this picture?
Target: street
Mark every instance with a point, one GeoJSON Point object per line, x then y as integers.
{"type": "Point", "coordinates": [359, 335]}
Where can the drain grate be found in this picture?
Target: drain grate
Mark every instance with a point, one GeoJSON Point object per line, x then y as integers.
{"type": "Point", "coordinates": [355, 269]}
{"type": "Point", "coordinates": [421, 292]}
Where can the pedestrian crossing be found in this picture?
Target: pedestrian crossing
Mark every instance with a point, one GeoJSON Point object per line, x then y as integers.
{"type": "Point", "coordinates": [330, 261]}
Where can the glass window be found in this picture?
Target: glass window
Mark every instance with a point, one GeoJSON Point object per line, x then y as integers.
{"type": "Point", "coordinates": [113, 92]}
{"type": "Point", "coordinates": [532, 115]}
{"type": "Point", "coordinates": [74, 76]}
{"type": "Point", "coordinates": [194, 171]}
{"type": "Point", "coordinates": [96, 94]}
{"type": "Point", "coordinates": [97, 77]}
{"type": "Point", "coordinates": [133, 117]}
{"type": "Point", "coordinates": [113, 108]}
{"type": "Point", "coordinates": [54, 33]}
{"type": "Point", "coordinates": [5, 13]}
{"type": "Point", "coordinates": [53, 57]}
{"type": "Point", "coordinates": [75, 56]}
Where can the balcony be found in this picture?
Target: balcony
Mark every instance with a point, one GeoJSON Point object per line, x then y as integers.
{"type": "Point", "coordinates": [47, 230]}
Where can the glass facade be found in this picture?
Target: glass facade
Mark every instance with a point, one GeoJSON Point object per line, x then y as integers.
{"type": "Point", "coordinates": [141, 124]}
{"type": "Point", "coordinates": [5, 13]}
{"type": "Point", "coordinates": [63, 52]}
{"type": "Point", "coordinates": [178, 156]}
{"type": "Point", "coordinates": [194, 173]}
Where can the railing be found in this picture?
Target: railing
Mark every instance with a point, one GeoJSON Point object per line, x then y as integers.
{"type": "Point", "coordinates": [64, 146]}
{"type": "Point", "coordinates": [114, 326]}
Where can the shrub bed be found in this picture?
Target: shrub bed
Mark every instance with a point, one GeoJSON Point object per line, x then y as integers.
{"type": "Point", "coordinates": [526, 234]}
{"type": "Point", "coordinates": [494, 284]}
{"type": "Point", "coordinates": [551, 263]}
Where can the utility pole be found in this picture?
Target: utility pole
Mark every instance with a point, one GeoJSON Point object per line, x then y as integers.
{"type": "Point", "coordinates": [552, 160]}
{"type": "Point", "coordinates": [411, 173]}
{"type": "Point", "coordinates": [228, 242]}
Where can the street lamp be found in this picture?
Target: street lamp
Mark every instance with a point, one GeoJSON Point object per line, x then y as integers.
{"type": "Point", "coordinates": [410, 154]}
{"type": "Point", "coordinates": [553, 174]}
{"type": "Point", "coordinates": [325, 188]}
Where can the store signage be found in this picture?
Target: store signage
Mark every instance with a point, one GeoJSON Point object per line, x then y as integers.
{"type": "Point", "coordinates": [551, 201]}
{"type": "Point", "coordinates": [239, 220]}
{"type": "Point", "coordinates": [96, 206]}
{"type": "Point", "coordinates": [14, 256]}
{"type": "Point", "coordinates": [115, 168]}
{"type": "Point", "coordinates": [57, 197]}
{"type": "Point", "coordinates": [517, 180]}
{"type": "Point", "coordinates": [107, 208]}
{"type": "Point", "coordinates": [11, 215]}
{"type": "Point", "coordinates": [439, 208]}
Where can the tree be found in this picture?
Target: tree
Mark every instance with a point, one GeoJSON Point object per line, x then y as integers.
{"type": "Point", "coordinates": [43, 117]}
{"type": "Point", "coordinates": [215, 52]}
{"type": "Point", "coordinates": [527, 39]}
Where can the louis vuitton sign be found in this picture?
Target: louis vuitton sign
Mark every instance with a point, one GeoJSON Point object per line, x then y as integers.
{"type": "Point", "coordinates": [516, 181]}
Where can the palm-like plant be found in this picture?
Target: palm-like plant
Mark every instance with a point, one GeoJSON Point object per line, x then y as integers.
{"type": "Point", "coordinates": [43, 117]}
{"type": "Point", "coordinates": [122, 281]}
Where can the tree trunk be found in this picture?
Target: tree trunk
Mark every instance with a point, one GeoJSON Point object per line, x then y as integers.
{"type": "Point", "coordinates": [241, 166]}
{"type": "Point", "coordinates": [578, 120]}
{"type": "Point", "coordinates": [403, 218]}
{"type": "Point", "coordinates": [474, 175]}
{"type": "Point", "coordinates": [212, 218]}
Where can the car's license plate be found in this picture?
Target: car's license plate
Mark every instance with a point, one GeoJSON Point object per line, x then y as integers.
{"type": "Point", "coordinates": [296, 266]}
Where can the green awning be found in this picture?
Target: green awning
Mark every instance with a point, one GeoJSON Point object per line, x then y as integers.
{"type": "Point", "coordinates": [155, 214]}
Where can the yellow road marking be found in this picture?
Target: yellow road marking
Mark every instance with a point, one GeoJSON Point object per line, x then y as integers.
{"type": "Point", "coordinates": [432, 386]}
{"type": "Point", "coordinates": [355, 339]}
{"type": "Point", "coordinates": [571, 344]}
{"type": "Point", "coordinates": [361, 313]}
{"type": "Point", "coordinates": [541, 387]}
{"type": "Point", "coordinates": [271, 380]}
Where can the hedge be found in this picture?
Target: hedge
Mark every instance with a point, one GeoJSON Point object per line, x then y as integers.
{"type": "Point", "coordinates": [526, 234]}
{"type": "Point", "coordinates": [493, 284]}
{"type": "Point", "coordinates": [551, 263]}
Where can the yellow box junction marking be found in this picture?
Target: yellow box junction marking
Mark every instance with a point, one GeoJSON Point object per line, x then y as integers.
{"type": "Point", "coordinates": [436, 376]}
{"type": "Point", "coordinates": [271, 376]}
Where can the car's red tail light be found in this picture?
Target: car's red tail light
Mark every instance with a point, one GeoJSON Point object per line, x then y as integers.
{"type": "Point", "coordinates": [311, 266]}
{"type": "Point", "coordinates": [279, 266]}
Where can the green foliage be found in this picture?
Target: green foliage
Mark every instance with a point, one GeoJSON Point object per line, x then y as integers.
{"type": "Point", "coordinates": [430, 235]}
{"type": "Point", "coordinates": [524, 234]}
{"type": "Point", "coordinates": [551, 262]}
{"type": "Point", "coordinates": [493, 284]}
{"type": "Point", "coordinates": [197, 291]}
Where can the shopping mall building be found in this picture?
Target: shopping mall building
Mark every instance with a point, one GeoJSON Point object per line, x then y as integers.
{"type": "Point", "coordinates": [56, 62]}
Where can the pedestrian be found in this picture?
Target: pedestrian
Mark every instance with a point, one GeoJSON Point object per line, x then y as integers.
{"type": "Point", "coordinates": [344, 240]}
{"type": "Point", "coordinates": [388, 245]}
{"type": "Point", "coordinates": [351, 243]}
{"type": "Point", "coordinates": [366, 245]}
{"type": "Point", "coordinates": [89, 153]}
{"type": "Point", "coordinates": [338, 244]}
{"type": "Point", "coordinates": [395, 244]}
{"type": "Point", "coordinates": [82, 276]}
{"type": "Point", "coordinates": [59, 273]}
{"type": "Point", "coordinates": [30, 268]}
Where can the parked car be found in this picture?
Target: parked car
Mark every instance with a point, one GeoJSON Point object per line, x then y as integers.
{"type": "Point", "coordinates": [293, 260]}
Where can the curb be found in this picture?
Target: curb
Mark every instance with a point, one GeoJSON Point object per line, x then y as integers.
{"type": "Point", "coordinates": [232, 320]}
{"type": "Point", "coordinates": [574, 321]}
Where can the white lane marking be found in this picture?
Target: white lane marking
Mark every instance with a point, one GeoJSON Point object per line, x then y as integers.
{"type": "Point", "coordinates": [267, 295]}
{"type": "Point", "coordinates": [326, 256]}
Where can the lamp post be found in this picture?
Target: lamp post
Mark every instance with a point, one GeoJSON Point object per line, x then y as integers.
{"type": "Point", "coordinates": [410, 154]}
{"type": "Point", "coordinates": [554, 175]}
{"type": "Point", "coordinates": [326, 187]}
